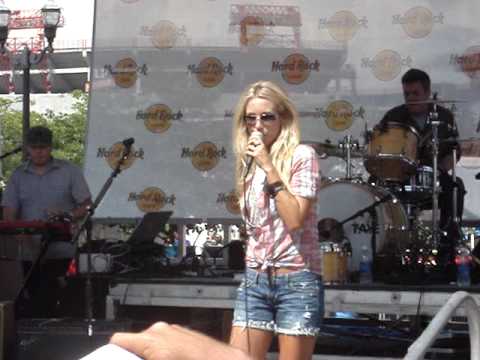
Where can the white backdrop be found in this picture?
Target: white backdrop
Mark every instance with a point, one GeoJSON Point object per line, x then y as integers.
{"type": "Point", "coordinates": [169, 73]}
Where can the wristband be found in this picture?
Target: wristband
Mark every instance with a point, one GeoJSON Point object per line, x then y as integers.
{"type": "Point", "coordinates": [273, 189]}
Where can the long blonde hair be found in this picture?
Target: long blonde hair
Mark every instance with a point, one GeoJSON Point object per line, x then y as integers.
{"type": "Point", "coordinates": [282, 149]}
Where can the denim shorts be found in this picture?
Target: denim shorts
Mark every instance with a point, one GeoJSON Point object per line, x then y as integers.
{"type": "Point", "coordinates": [290, 303]}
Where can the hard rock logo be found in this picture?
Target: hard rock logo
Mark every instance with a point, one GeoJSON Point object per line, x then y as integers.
{"type": "Point", "coordinates": [164, 34]}
{"type": "Point", "coordinates": [231, 202]}
{"type": "Point", "coordinates": [343, 25]}
{"type": "Point", "coordinates": [296, 68]}
{"type": "Point", "coordinates": [158, 118]}
{"type": "Point", "coordinates": [151, 199]}
{"type": "Point", "coordinates": [387, 64]}
{"type": "Point", "coordinates": [126, 71]}
{"type": "Point", "coordinates": [418, 22]}
{"type": "Point", "coordinates": [211, 71]}
{"type": "Point", "coordinates": [339, 115]}
{"type": "Point", "coordinates": [116, 152]}
{"type": "Point", "coordinates": [205, 156]}
{"type": "Point", "coordinates": [470, 61]}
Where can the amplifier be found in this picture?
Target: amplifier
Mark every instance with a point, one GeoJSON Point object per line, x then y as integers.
{"type": "Point", "coordinates": [101, 263]}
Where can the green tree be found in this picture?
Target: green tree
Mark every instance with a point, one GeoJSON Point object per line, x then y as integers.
{"type": "Point", "coordinates": [68, 131]}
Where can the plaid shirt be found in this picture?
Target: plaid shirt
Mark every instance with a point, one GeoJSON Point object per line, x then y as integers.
{"type": "Point", "coordinates": [270, 243]}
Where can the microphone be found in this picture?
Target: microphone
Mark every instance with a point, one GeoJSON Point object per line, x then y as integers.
{"type": "Point", "coordinates": [250, 159]}
{"type": "Point", "coordinates": [128, 142]}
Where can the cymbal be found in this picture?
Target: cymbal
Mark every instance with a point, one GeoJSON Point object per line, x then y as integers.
{"type": "Point", "coordinates": [433, 101]}
{"type": "Point", "coordinates": [328, 149]}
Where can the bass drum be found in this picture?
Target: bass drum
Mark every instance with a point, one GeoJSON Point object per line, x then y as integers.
{"type": "Point", "coordinates": [340, 200]}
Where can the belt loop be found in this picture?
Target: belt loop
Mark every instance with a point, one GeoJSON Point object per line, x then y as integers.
{"type": "Point", "coordinates": [257, 274]}
{"type": "Point", "coordinates": [269, 274]}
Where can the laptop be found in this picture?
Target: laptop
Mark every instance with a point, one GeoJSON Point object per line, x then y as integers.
{"type": "Point", "coordinates": [149, 227]}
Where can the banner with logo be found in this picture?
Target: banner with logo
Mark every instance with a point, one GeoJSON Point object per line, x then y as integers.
{"type": "Point", "coordinates": [169, 73]}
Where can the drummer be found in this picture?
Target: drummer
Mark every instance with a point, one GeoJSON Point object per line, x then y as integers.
{"type": "Point", "coordinates": [416, 88]}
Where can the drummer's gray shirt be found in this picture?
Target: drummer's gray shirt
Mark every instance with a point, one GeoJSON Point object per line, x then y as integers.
{"type": "Point", "coordinates": [61, 188]}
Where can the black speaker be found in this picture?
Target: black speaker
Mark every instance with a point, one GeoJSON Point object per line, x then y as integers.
{"type": "Point", "coordinates": [236, 255]}
{"type": "Point", "coordinates": [61, 339]}
{"type": "Point", "coordinates": [7, 330]}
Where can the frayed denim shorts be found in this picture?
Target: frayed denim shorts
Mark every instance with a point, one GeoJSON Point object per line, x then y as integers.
{"type": "Point", "coordinates": [290, 304]}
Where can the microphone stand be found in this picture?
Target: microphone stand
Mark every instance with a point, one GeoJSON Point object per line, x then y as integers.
{"type": "Point", "coordinates": [366, 209]}
{"type": "Point", "coordinates": [370, 209]}
{"type": "Point", "coordinates": [85, 224]}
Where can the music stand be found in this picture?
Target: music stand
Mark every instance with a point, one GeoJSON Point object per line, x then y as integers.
{"type": "Point", "coordinates": [148, 228]}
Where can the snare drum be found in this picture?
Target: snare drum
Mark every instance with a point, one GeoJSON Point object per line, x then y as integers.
{"type": "Point", "coordinates": [392, 152]}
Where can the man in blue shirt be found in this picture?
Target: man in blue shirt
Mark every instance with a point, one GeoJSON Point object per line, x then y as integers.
{"type": "Point", "coordinates": [41, 188]}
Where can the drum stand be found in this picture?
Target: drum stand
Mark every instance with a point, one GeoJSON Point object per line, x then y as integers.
{"type": "Point", "coordinates": [434, 121]}
{"type": "Point", "coordinates": [347, 145]}
{"type": "Point", "coordinates": [455, 218]}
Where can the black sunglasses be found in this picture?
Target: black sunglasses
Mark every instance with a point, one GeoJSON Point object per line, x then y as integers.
{"type": "Point", "coordinates": [264, 117]}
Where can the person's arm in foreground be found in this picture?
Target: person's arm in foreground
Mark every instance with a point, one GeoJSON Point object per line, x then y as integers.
{"type": "Point", "coordinates": [162, 341]}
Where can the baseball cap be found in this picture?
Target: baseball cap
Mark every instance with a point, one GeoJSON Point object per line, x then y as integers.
{"type": "Point", "coordinates": [39, 136]}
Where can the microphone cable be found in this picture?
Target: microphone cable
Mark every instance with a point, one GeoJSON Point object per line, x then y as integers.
{"type": "Point", "coordinates": [246, 215]}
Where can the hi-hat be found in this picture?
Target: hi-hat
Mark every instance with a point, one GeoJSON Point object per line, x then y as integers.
{"type": "Point", "coordinates": [328, 149]}
{"type": "Point", "coordinates": [434, 101]}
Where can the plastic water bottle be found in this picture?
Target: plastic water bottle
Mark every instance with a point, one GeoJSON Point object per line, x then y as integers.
{"type": "Point", "coordinates": [365, 267]}
{"type": "Point", "coordinates": [463, 261]}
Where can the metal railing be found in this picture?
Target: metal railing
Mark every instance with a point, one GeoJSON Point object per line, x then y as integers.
{"type": "Point", "coordinates": [461, 298]}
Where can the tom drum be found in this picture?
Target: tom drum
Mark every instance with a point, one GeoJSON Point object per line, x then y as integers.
{"type": "Point", "coordinates": [392, 152]}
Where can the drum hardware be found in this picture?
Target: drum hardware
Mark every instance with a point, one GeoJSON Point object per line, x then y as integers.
{"type": "Point", "coordinates": [326, 149]}
{"type": "Point", "coordinates": [456, 220]}
{"type": "Point", "coordinates": [347, 150]}
{"type": "Point", "coordinates": [435, 123]}
{"type": "Point", "coordinates": [347, 145]}
{"type": "Point", "coordinates": [371, 209]}
{"type": "Point", "coordinates": [368, 209]}
{"type": "Point", "coordinates": [388, 217]}
{"type": "Point", "coordinates": [417, 190]}
{"type": "Point", "coordinates": [434, 101]}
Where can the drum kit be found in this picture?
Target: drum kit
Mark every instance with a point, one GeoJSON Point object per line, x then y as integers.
{"type": "Point", "coordinates": [382, 212]}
